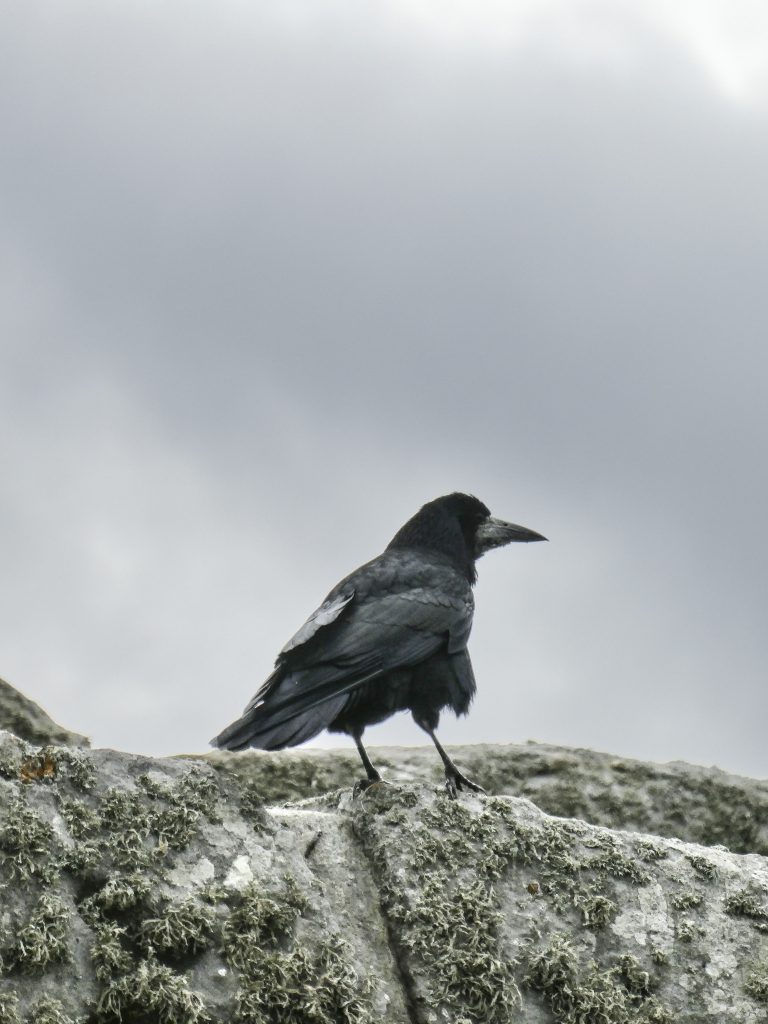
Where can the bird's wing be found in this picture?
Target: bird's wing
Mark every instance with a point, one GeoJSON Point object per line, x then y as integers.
{"type": "Point", "coordinates": [377, 633]}
{"type": "Point", "coordinates": [388, 631]}
{"type": "Point", "coordinates": [392, 613]}
{"type": "Point", "coordinates": [327, 613]}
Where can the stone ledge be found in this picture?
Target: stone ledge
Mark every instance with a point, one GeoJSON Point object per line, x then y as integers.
{"type": "Point", "coordinates": [164, 890]}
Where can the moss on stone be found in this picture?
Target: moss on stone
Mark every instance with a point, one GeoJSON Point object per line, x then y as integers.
{"type": "Point", "coordinates": [756, 984]}
{"type": "Point", "coordinates": [252, 804]}
{"type": "Point", "coordinates": [123, 839]}
{"type": "Point", "coordinates": [124, 822]}
{"type": "Point", "coordinates": [303, 986]}
{"type": "Point", "coordinates": [570, 877]}
{"type": "Point", "coordinates": [43, 940]}
{"type": "Point", "coordinates": [449, 873]}
{"type": "Point", "coordinates": [679, 801]}
{"type": "Point", "coordinates": [687, 899]}
{"type": "Point", "coordinates": [704, 868]}
{"type": "Point", "coordinates": [109, 955]}
{"type": "Point", "coordinates": [686, 930]}
{"type": "Point", "coordinates": [145, 822]}
{"type": "Point", "coordinates": [274, 778]}
{"type": "Point", "coordinates": [82, 859]}
{"type": "Point", "coordinates": [181, 929]}
{"type": "Point", "coordinates": [10, 762]}
{"type": "Point", "coordinates": [649, 851]}
{"type": "Point", "coordinates": [667, 800]}
{"type": "Point", "coordinates": [439, 893]}
{"type": "Point", "coordinates": [151, 994]}
{"type": "Point", "coordinates": [745, 903]}
{"type": "Point", "coordinates": [612, 861]}
{"type": "Point", "coordinates": [450, 922]}
{"type": "Point", "coordinates": [636, 980]}
{"type": "Point", "coordinates": [597, 910]}
{"type": "Point", "coordinates": [260, 920]}
{"type": "Point", "coordinates": [26, 842]}
{"type": "Point", "coordinates": [79, 768]}
{"type": "Point", "coordinates": [282, 981]}
{"type": "Point", "coordinates": [653, 1012]}
{"type": "Point", "coordinates": [129, 920]}
{"type": "Point", "coordinates": [196, 789]}
{"type": "Point", "coordinates": [50, 1011]}
{"type": "Point", "coordinates": [575, 996]}
{"type": "Point", "coordinates": [453, 929]}
{"type": "Point", "coordinates": [121, 892]}
{"type": "Point", "coordinates": [180, 807]}
{"type": "Point", "coordinates": [589, 995]}
{"type": "Point", "coordinates": [212, 892]}
{"type": "Point", "coordinates": [80, 819]}
{"type": "Point", "coordinates": [9, 1008]}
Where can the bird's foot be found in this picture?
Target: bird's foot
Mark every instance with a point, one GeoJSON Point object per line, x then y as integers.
{"type": "Point", "coordinates": [363, 785]}
{"type": "Point", "coordinates": [454, 781]}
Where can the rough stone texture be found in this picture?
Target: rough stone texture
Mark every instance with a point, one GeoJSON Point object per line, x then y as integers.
{"type": "Point", "coordinates": [24, 718]}
{"type": "Point", "coordinates": [141, 890]}
{"type": "Point", "coordinates": [165, 892]}
{"type": "Point", "coordinates": [700, 805]}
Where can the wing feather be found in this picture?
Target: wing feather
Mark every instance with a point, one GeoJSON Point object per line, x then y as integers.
{"type": "Point", "coordinates": [327, 613]}
{"type": "Point", "coordinates": [392, 613]}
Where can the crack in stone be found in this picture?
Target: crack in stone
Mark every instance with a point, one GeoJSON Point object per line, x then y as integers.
{"type": "Point", "coordinates": [411, 1000]}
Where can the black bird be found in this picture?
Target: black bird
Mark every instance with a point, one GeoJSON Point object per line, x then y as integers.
{"type": "Point", "coordinates": [390, 637]}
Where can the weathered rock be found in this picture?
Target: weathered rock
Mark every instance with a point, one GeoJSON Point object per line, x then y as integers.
{"type": "Point", "coordinates": [154, 890]}
{"type": "Point", "coordinates": [699, 805]}
{"type": "Point", "coordinates": [501, 913]}
{"type": "Point", "coordinates": [24, 718]}
{"type": "Point", "coordinates": [141, 890]}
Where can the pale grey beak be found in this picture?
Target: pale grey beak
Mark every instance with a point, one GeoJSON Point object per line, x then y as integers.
{"type": "Point", "coordinates": [495, 533]}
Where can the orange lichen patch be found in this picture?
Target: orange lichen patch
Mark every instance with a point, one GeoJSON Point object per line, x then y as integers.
{"type": "Point", "coordinates": [34, 769]}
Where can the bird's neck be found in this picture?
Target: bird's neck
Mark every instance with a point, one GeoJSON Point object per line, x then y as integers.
{"type": "Point", "coordinates": [429, 530]}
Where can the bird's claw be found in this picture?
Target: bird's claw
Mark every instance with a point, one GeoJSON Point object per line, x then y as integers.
{"type": "Point", "coordinates": [363, 785]}
{"type": "Point", "coordinates": [454, 781]}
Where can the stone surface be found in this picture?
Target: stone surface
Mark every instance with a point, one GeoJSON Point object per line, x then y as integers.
{"type": "Point", "coordinates": [700, 805]}
{"type": "Point", "coordinates": [24, 718]}
{"type": "Point", "coordinates": [172, 891]}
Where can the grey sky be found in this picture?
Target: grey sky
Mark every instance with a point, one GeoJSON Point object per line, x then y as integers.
{"type": "Point", "coordinates": [275, 274]}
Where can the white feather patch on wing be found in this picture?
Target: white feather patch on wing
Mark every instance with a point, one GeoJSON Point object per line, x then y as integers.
{"type": "Point", "coordinates": [327, 613]}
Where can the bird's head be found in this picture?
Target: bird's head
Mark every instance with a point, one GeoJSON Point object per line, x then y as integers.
{"type": "Point", "coordinates": [462, 527]}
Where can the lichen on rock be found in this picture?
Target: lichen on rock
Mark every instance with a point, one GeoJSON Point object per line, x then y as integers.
{"type": "Point", "coordinates": [699, 805]}
{"type": "Point", "coordinates": [177, 891]}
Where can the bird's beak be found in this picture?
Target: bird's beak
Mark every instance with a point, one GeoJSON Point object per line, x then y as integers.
{"type": "Point", "coordinates": [495, 533]}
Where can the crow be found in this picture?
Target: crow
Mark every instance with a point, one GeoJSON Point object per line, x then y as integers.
{"type": "Point", "coordinates": [392, 636]}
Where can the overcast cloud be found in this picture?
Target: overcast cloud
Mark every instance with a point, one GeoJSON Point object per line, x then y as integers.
{"type": "Point", "coordinates": [275, 274]}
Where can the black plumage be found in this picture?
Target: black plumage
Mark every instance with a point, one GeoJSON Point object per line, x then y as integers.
{"type": "Point", "coordinates": [392, 636]}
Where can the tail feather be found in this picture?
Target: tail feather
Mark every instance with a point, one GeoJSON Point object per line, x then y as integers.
{"type": "Point", "coordinates": [260, 727]}
{"type": "Point", "coordinates": [290, 709]}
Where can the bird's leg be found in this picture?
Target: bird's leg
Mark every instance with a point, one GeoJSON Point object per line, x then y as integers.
{"type": "Point", "coordinates": [371, 773]}
{"type": "Point", "coordinates": [454, 779]}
